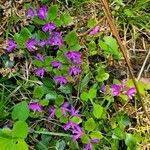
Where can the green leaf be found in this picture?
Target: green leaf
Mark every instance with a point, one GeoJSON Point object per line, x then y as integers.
{"type": "Point", "coordinates": [66, 89]}
{"type": "Point", "coordinates": [25, 33]}
{"type": "Point", "coordinates": [66, 18]}
{"type": "Point", "coordinates": [71, 38]}
{"type": "Point", "coordinates": [98, 111]}
{"type": "Point", "coordinates": [52, 12]}
{"type": "Point", "coordinates": [76, 119]}
{"type": "Point", "coordinates": [85, 81]}
{"type": "Point", "coordinates": [59, 100]}
{"type": "Point", "coordinates": [96, 135]}
{"type": "Point", "coordinates": [43, 35]}
{"type": "Point", "coordinates": [48, 60]}
{"type": "Point", "coordinates": [38, 92]}
{"type": "Point", "coordinates": [84, 96]}
{"type": "Point", "coordinates": [52, 95]}
{"type": "Point", "coordinates": [60, 145]}
{"type": "Point", "coordinates": [58, 113]}
{"type": "Point", "coordinates": [58, 22]}
{"type": "Point", "coordinates": [91, 23]}
{"type": "Point", "coordinates": [85, 139]}
{"type": "Point", "coordinates": [39, 21]}
{"type": "Point", "coordinates": [130, 141]}
{"type": "Point", "coordinates": [37, 63]}
{"type": "Point", "coordinates": [92, 93]}
{"type": "Point", "coordinates": [44, 102]}
{"type": "Point", "coordinates": [90, 125]}
{"type": "Point", "coordinates": [19, 39]}
{"type": "Point", "coordinates": [118, 134]}
{"type": "Point", "coordinates": [20, 129]}
{"type": "Point", "coordinates": [20, 111]}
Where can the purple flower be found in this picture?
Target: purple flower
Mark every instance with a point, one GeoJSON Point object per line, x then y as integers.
{"type": "Point", "coordinates": [39, 57]}
{"type": "Point", "coordinates": [48, 27]}
{"type": "Point", "coordinates": [64, 108]}
{"type": "Point", "coordinates": [11, 45]}
{"type": "Point", "coordinates": [104, 88]}
{"type": "Point", "coordinates": [131, 92]}
{"type": "Point", "coordinates": [74, 56]}
{"type": "Point", "coordinates": [74, 71]}
{"type": "Point", "coordinates": [56, 64]}
{"type": "Point", "coordinates": [40, 72]}
{"type": "Point", "coordinates": [60, 79]}
{"type": "Point", "coordinates": [55, 39]}
{"type": "Point", "coordinates": [30, 44]}
{"type": "Point", "coordinates": [52, 112]}
{"type": "Point", "coordinates": [95, 30]}
{"type": "Point", "coordinates": [115, 89]}
{"type": "Point", "coordinates": [42, 12]}
{"type": "Point", "coordinates": [30, 12]}
{"type": "Point", "coordinates": [76, 130]}
{"type": "Point", "coordinates": [74, 112]}
{"type": "Point", "coordinates": [89, 145]}
{"type": "Point", "coordinates": [42, 43]}
{"type": "Point", "coordinates": [35, 106]}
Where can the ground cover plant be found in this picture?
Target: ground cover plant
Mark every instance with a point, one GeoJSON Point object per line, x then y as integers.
{"type": "Point", "coordinates": [64, 83]}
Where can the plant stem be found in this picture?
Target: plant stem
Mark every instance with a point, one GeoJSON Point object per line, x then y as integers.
{"type": "Point", "coordinates": [113, 28]}
{"type": "Point", "coordinates": [53, 133]}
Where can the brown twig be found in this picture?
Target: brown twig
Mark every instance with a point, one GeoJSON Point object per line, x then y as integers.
{"type": "Point", "coordinates": [113, 28]}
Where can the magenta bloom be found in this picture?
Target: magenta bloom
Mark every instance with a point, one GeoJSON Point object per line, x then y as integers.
{"type": "Point", "coordinates": [76, 130]}
{"type": "Point", "coordinates": [40, 72]}
{"type": "Point", "coordinates": [131, 92]}
{"type": "Point", "coordinates": [104, 88]}
{"type": "Point", "coordinates": [74, 112]}
{"type": "Point", "coordinates": [30, 12]}
{"type": "Point", "coordinates": [42, 12]}
{"type": "Point", "coordinates": [55, 39]}
{"type": "Point", "coordinates": [64, 108]}
{"type": "Point", "coordinates": [39, 57]}
{"type": "Point", "coordinates": [74, 71]}
{"type": "Point", "coordinates": [89, 145]}
{"type": "Point", "coordinates": [115, 89]}
{"type": "Point", "coordinates": [11, 45]}
{"type": "Point", "coordinates": [48, 27]}
{"type": "Point", "coordinates": [42, 43]}
{"type": "Point", "coordinates": [74, 56]}
{"type": "Point", "coordinates": [95, 30]}
{"type": "Point", "coordinates": [52, 112]}
{"type": "Point", "coordinates": [56, 64]}
{"type": "Point", "coordinates": [30, 44]}
{"type": "Point", "coordinates": [60, 79]}
{"type": "Point", "coordinates": [35, 106]}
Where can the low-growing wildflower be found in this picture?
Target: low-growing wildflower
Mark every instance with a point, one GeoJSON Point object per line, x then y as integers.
{"type": "Point", "coordinates": [30, 44]}
{"type": "Point", "coordinates": [55, 39]}
{"type": "Point", "coordinates": [89, 145]}
{"type": "Point", "coordinates": [56, 64]}
{"type": "Point", "coordinates": [52, 112]}
{"type": "Point", "coordinates": [39, 57]}
{"type": "Point", "coordinates": [74, 56]}
{"type": "Point", "coordinates": [30, 13]}
{"type": "Point", "coordinates": [95, 30]}
{"type": "Point", "coordinates": [131, 92]}
{"type": "Point", "coordinates": [42, 43]}
{"type": "Point", "coordinates": [75, 128]}
{"type": "Point", "coordinates": [42, 12]}
{"type": "Point", "coordinates": [35, 106]}
{"type": "Point", "coordinates": [40, 72]}
{"type": "Point", "coordinates": [48, 27]}
{"type": "Point", "coordinates": [74, 71]}
{"type": "Point", "coordinates": [11, 45]}
{"type": "Point", "coordinates": [64, 108]}
{"type": "Point", "coordinates": [60, 79]}
{"type": "Point", "coordinates": [74, 112]}
{"type": "Point", "coordinates": [115, 89]}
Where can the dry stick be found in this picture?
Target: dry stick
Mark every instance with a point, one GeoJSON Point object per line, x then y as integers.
{"type": "Point", "coordinates": [122, 48]}
{"type": "Point", "coordinates": [143, 66]}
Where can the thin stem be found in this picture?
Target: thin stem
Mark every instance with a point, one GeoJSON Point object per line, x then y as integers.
{"type": "Point", "coordinates": [123, 50]}
{"type": "Point", "coordinates": [53, 133]}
